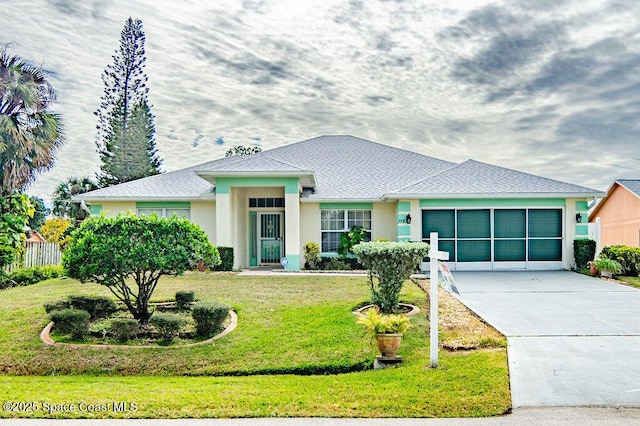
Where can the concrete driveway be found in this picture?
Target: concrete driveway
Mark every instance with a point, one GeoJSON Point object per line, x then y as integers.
{"type": "Point", "coordinates": [573, 340]}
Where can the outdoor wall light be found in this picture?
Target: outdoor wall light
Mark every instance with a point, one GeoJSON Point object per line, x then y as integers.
{"type": "Point", "coordinates": [408, 218]}
{"type": "Point", "coordinates": [578, 217]}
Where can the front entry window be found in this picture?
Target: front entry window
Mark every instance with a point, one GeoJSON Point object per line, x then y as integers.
{"type": "Point", "coordinates": [334, 222]}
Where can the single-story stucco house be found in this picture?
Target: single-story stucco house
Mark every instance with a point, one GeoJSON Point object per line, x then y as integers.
{"type": "Point", "coordinates": [268, 205]}
{"type": "Point", "coordinates": [619, 214]}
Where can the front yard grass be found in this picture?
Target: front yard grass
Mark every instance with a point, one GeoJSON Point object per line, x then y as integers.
{"type": "Point", "coordinates": [297, 352]}
{"type": "Point", "coordinates": [632, 281]}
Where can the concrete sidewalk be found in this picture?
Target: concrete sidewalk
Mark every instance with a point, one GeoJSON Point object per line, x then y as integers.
{"type": "Point", "coordinates": [521, 417]}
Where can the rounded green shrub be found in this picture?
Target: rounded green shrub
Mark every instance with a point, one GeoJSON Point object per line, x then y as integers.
{"type": "Point", "coordinates": [58, 305]}
{"type": "Point", "coordinates": [209, 317]}
{"type": "Point", "coordinates": [167, 325]}
{"type": "Point", "coordinates": [184, 298]}
{"type": "Point", "coordinates": [97, 306]}
{"type": "Point", "coordinates": [123, 329]}
{"type": "Point", "coordinates": [71, 321]}
{"type": "Point", "coordinates": [584, 251]}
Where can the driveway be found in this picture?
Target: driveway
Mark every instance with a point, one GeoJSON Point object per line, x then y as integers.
{"type": "Point", "coordinates": [573, 340]}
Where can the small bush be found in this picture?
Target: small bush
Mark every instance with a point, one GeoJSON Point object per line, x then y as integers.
{"type": "Point", "coordinates": [311, 253]}
{"type": "Point", "coordinates": [335, 264]}
{"type": "Point", "coordinates": [97, 306]}
{"type": "Point", "coordinates": [123, 329]}
{"type": "Point", "coordinates": [5, 281]}
{"type": "Point", "coordinates": [56, 306]}
{"type": "Point", "coordinates": [184, 298]}
{"type": "Point", "coordinates": [209, 317]}
{"type": "Point", "coordinates": [226, 259]}
{"type": "Point", "coordinates": [389, 265]}
{"type": "Point", "coordinates": [71, 321]}
{"type": "Point", "coordinates": [628, 257]}
{"type": "Point", "coordinates": [167, 325]}
{"type": "Point", "coordinates": [584, 250]}
{"type": "Point", "coordinates": [28, 276]}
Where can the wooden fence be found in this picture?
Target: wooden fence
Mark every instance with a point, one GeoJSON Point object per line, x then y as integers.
{"type": "Point", "coordinates": [38, 254]}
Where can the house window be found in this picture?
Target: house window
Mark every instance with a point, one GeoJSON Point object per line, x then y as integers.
{"type": "Point", "coordinates": [336, 221]}
{"type": "Point", "coordinates": [165, 212]}
{"type": "Point", "coordinates": [266, 202]}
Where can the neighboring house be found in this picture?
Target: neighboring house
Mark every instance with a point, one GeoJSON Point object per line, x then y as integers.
{"type": "Point", "coordinates": [268, 205]}
{"type": "Point", "coordinates": [619, 214]}
{"type": "Point", "coordinates": [35, 237]}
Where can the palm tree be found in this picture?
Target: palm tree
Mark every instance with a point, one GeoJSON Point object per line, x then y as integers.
{"type": "Point", "coordinates": [63, 206]}
{"type": "Point", "coordinates": [30, 136]}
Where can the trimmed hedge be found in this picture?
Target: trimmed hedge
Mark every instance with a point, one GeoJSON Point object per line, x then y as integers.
{"type": "Point", "coordinates": [96, 306]}
{"type": "Point", "coordinates": [123, 329]}
{"type": "Point", "coordinates": [71, 321]}
{"type": "Point", "coordinates": [184, 298]}
{"type": "Point", "coordinates": [226, 258]}
{"type": "Point", "coordinates": [209, 317]}
{"type": "Point", "coordinates": [167, 325]}
{"type": "Point", "coordinates": [628, 257]}
{"type": "Point", "coordinates": [56, 306]}
{"type": "Point", "coordinates": [584, 251]}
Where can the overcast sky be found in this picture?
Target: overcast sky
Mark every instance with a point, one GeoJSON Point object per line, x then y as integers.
{"type": "Point", "coordinates": [549, 87]}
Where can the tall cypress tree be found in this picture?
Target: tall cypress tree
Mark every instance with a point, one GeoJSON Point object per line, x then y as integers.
{"type": "Point", "coordinates": [126, 131]}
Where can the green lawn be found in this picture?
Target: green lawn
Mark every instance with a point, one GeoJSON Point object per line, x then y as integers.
{"type": "Point", "coordinates": [296, 352]}
{"type": "Point", "coordinates": [632, 281]}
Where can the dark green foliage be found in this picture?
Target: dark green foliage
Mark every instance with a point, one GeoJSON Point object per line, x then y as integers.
{"type": "Point", "coordinates": [71, 321]}
{"type": "Point", "coordinates": [355, 236]}
{"type": "Point", "coordinates": [167, 325]}
{"type": "Point", "coordinates": [28, 276]}
{"type": "Point", "coordinates": [584, 251]}
{"type": "Point", "coordinates": [30, 135]}
{"type": "Point", "coordinates": [15, 210]}
{"type": "Point", "coordinates": [123, 329]}
{"type": "Point", "coordinates": [184, 298]}
{"type": "Point", "coordinates": [628, 257]}
{"type": "Point", "coordinates": [209, 317]}
{"type": "Point", "coordinates": [338, 264]}
{"type": "Point", "coordinates": [335, 264]}
{"type": "Point", "coordinates": [126, 128]}
{"type": "Point", "coordinates": [121, 251]}
{"type": "Point", "coordinates": [226, 258]}
{"type": "Point", "coordinates": [40, 213]}
{"type": "Point", "coordinates": [56, 306]}
{"type": "Point", "coordinates": [4, 280]}
{"type": "Point", "coordinates": [97, 306]}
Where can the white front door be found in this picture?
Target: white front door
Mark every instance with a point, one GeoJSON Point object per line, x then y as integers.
{"type": "Point", "coordinates": [270, 238]}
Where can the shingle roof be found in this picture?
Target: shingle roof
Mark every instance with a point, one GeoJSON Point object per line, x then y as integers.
{"type": "Point", "coordinates": [474, 178]}
{"type": "Point", "coordinates": [345, 168]}
{"type": "Point", "coordinates": [632, 185]}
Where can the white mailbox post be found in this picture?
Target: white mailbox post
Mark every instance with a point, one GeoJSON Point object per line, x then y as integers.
{"type": "Point", "coordinates": [434, 256]}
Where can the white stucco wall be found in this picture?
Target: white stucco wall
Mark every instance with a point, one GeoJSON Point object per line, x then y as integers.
{"type": "Point", "coordinates": [203, 213]}
{"type": "Point", "coordinates": [383, 219]}
{"type": "Point", "coordinates": [309, 224]}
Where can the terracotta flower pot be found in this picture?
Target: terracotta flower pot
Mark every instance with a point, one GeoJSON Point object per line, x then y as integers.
{"type": "Point", "coordinates": [389, 343]}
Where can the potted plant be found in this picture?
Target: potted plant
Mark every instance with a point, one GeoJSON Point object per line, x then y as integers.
{"type": "Point", "coordinates": [388, 330]}
{"type": "Point", "coordinates": [607, 267]}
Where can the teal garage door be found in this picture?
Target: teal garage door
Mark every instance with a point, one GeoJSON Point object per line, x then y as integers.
{"type": "Point", "coordinates": [498, 238]}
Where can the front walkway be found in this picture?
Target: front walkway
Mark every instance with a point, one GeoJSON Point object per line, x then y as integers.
{"type": "Point", "coordinates": [573, 340]}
